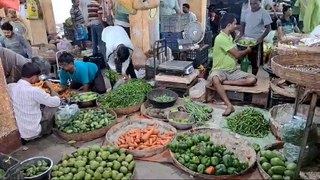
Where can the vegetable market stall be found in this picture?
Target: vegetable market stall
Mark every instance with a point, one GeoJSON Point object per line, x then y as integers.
{"type": "Point", "coordinates": [302, 70]}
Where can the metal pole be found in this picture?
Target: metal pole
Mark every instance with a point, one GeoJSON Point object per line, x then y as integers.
{"type": "Point", "coordinates": [296, 103]}
{"type": "Point", "coordinates": [311, 112]}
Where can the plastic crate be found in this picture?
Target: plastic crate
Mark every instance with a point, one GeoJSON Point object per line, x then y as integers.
{"type": "Point", "coordinates": [174, 23]}
{"type": "Point", "coordinates": [172, 39]}
{"type": "Point", "coordinates": [198, 56]}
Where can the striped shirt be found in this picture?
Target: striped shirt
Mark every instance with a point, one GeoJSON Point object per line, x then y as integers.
{"type": "Point", "coordinates": [76, 16]}
{"type": "Point", "coordinates": [26, 101]}
{"type": "Point", "coordinates": [93, 12]}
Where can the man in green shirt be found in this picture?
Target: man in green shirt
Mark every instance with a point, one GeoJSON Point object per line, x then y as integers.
{"type": "Point", "coordinates": [225, 55]}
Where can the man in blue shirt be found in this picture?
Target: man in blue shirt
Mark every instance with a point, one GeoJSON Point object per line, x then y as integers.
{"type": "Point", "coordinates": [82, 75]}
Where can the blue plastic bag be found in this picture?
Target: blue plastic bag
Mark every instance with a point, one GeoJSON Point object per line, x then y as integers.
{"type": "Point", "coordinates": [81, 33]}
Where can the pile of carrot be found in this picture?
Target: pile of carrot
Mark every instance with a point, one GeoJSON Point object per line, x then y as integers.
{"type": "Point", "coordinates": [144, 139]}
{"type": "Point", "coordinates": [56, 87]}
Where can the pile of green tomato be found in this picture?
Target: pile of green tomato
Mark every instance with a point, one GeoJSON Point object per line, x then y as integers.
{"type": "Point", "coordinates": [199, 154]}
{"type": "Point", "coordinates": [276, 165]}
{"type": "Point", "coordinates": [105, 162]}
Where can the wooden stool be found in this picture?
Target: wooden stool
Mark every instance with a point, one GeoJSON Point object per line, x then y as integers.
{"type": "Point", "coordinates": [184, 88]}
{"type": "Point", "coordinates": [260, 92]}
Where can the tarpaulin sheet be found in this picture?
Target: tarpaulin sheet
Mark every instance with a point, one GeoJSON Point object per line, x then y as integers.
{"type": "Point", "coordinates": [10, 4]}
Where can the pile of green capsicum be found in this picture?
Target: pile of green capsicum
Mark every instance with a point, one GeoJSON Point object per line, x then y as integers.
{"type": "Point", "coordinates": [198, 153]}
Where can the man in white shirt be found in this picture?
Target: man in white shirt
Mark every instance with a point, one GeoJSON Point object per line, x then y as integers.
{"type": "Point", "coordinates": [26, 100]}
{"type": "Point", "coordinates": [186, 10]}
{"type": "Point", "coordinates": [119, 50]}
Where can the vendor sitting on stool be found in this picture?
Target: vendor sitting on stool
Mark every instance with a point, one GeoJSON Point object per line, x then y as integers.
{"type": "Point", "coordinates": [224, 70]}
{"type": "Point", "coordinates": [119, 50]}
{"type": "Point", "coordinates": [84, 76]}
{"type": "Point", "coordinates": [32, 122]}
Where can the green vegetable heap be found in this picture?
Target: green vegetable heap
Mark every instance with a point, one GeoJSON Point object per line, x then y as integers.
{"type": "Point", "coordinates": [84, 97]}
{"type": "Point", "coordinates": [199, 154]}
{"type": "Point", "coordinates": [88, 120]}
{"type": "Point", "coordinates": [276, 165]}
{"type": "Point", "coordinates": [201, 113]}
{"type": "Point", "coordinates": [129, 94]}
{"type": "Point", "coordinates": [2, 173]}
{"type": "Point", "coordinates": [247, 42]}
{"type": "Point", "coordinates": [163, 99]}
{"type": "Point", "coordinates": [35, 169]}
{"type": "Point", "coordinates": [106, 162]}
{"type": "Point", "coordinates": [112, 76]}
{"type": "Point", "coordinates": [249, 122]}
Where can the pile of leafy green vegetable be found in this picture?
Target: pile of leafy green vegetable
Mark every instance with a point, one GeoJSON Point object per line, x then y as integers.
{"type": "Point", "coordinates": [2, 173]}
{"type": "Point", "coordinates": [198, 153]}
{"type": "Point", "coordinates": [200, 112]}
{"type": "Point", "coordinates": [128, 94]}
{"type": "Point", "coordinates": [249, 122]}
{"type": "Point", "coordinates": [88, 120]}
{"type": "Point", "coordinates": [113, 76]}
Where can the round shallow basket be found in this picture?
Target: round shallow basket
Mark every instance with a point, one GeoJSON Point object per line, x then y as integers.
{"type": "Point", "coordinates": [127, 110]}
{"type": "Point", "coordinates": [287, 92]}
{"type": "Point", "coordinates": [88, 136]}
{"type": "Point", "coordinates": [116, 131]}
{"type": "Point", "coordinates": [158, 113]}
{"type": "Point", "coordinates": [285, 49]}
{"type": "Point", "coordinates": [161, 92]}
{"type": "Point", "coordinates": [181, 115]}
{"type": "Point", "coordinates": [241, 148]}
{"type": "Point", "coordinates": [280, 66]}
{"type": "Point", "coordinates": [281, 114]}
{"type": "Point", "coordinates": [243, 47]}
{"type": "Point", "coordinates": [278, 147]}
{"type": "Point", "coordinates": [15, 171]}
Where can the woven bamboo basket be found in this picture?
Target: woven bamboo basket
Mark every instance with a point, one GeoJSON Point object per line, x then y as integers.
{"type": "Point", "coordinates": [282, 91]}
{"type": "Point", "coordinates": [88, 136]}
{"type": "Point", "coordinates": [116, 131]}
{"type": "Point", "coordinates": [285, 49]}
{"type": "Point", "coordinates": [127, 110]}
{"type": "Point", "coordinates": [280, 66]}
{"type": "Point", "coordinates": [241, 148]}
{"type": "Point", "coordinates": [276, 146]}
{"type": "Point", "coordinates": [7, 119]}
{"type": "Point", "coordinates": [281, 114]}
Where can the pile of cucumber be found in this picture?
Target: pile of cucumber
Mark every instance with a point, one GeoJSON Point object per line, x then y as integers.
{"type": "Point", "coordinates": [276, 165]}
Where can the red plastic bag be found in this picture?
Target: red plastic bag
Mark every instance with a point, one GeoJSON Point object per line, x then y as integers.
{"type": "Point", "coordinates": [10, 4]}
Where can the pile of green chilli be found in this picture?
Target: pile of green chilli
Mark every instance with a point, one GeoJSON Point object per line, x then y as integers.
{"type": "Point", "coordinates": [249, 122]}
{"type": "Point", "coordinates": [128, 94]}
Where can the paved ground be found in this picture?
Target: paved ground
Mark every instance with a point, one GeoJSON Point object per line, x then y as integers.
{"type": "Point", "coordinates": [55, 148]}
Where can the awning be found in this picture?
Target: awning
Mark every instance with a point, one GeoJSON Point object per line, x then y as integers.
{"type": "Point", "coordinates": [10, 4]}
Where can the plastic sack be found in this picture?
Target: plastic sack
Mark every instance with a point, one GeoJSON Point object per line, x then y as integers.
{"type": "Point", "coordinates": [199, 89]}
{"type": "Point", "coordinates": [291, 153]}
{"type": "Point", "coordinates": [81, 33]}
{"type": "Point", "coordinates": [65, 114]}
{"type": "Point", "coordinates": [270, 36]}
{"type": "Point", "coordinates": [293, 131]}
{"type": "Point", "coordinates": [32, 9]}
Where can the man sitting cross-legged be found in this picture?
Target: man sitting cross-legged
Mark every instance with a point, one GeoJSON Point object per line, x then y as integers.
{"type": "Point", "coordinates": [224, 70]}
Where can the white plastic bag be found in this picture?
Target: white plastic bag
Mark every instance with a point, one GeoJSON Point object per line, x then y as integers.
{"type": "Point", "coordinates": [199, 89]}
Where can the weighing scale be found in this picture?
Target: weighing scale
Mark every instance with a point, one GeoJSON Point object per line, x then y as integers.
{"type": "Point", "coordinates": [176, 67]}
{"type": "Point", "coordinates": [192, 36]}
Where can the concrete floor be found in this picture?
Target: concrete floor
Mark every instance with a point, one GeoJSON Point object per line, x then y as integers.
{"type": "Point", "coordinates": [55, 148]}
